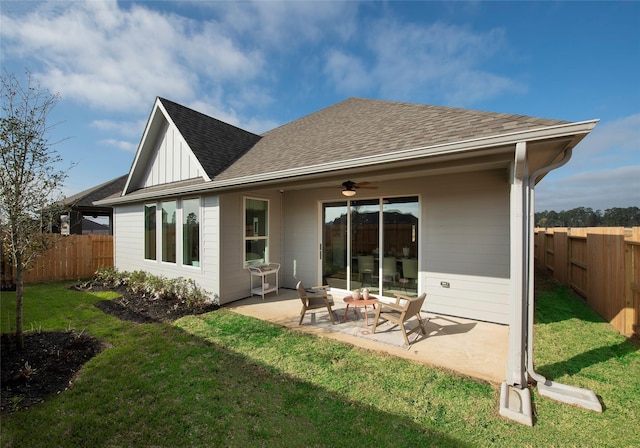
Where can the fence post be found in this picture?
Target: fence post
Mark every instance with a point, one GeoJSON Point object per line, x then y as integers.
{"type": "Point", "coordinates": [569, 258]}
{"type": "Point", "coordinates": [629, 317]}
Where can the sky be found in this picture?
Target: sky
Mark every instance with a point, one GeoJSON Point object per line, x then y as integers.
{"type": "Point", "coordinates": [258, 65]}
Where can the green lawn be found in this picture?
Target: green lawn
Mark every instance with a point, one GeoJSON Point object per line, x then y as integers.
{"type": "Point", "coordinates": [223, 379]}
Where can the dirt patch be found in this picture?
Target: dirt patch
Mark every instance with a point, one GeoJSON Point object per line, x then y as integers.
{"type": "Point", "coordinates": [48, 364]}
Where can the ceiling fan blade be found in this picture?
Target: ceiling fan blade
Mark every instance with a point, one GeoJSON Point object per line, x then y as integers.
{"type": "Point", "coordinates": [350, 185]}
{"type": "Point", "coordinates": [365, 185]}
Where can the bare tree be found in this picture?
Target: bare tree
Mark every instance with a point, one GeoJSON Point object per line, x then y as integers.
{"type": "Point", "coordinates": [30, 182]}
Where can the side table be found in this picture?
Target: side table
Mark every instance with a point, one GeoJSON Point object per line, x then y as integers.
{"type": "Point", "coordinates": [349, 300]}
{"type": "Point", "coordinates": [262, 272]}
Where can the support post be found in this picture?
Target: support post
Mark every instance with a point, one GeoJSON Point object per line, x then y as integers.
{"type": "Point", "coordinates": [515, 398]}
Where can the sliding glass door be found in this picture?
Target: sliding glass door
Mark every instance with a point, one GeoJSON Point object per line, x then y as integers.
{"type": "Point", "coordinates": [354, 233]}
{"type": "Point", "coordinates": [400, 243]}
{"type": "Point", "coordinates": [334, 244]}
{"type": "Point", "coordinates": [365, 243]}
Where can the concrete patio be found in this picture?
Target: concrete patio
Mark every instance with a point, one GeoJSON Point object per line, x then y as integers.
{"type": "Point", "coordinates": [467, 347]}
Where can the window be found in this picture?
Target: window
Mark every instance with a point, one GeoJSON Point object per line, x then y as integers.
{"type": "Point", "coordinates": [256, 235]}
{"type": "Point", "coordinates": [169, 231]}
{"type": "Point", "coordinates": [150, 232]}
{"type": "Point", "coordinates": [171, 234]}
{"type": "Point", "coordinates": [191, 232]}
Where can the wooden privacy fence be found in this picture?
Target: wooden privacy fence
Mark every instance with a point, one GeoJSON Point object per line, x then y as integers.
{"type": "Point", "coordinates": [73, 257]}
{"type": "Point", "coordinates": [602, 264]}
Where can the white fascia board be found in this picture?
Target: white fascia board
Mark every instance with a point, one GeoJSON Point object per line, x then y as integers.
{"type": "Point", "coordinates": [143, 139]}
{"type": "Point", "coordinates": [471, 145]}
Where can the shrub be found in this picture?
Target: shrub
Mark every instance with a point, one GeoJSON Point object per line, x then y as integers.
{"type": "Point", "coordinates": [108, 277]}
{"type": "Point", "coordinates": [184, 290]}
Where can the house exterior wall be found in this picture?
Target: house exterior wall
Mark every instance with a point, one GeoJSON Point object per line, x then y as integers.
{"type": "Point", "coordinates": [128, 231]}
{"type": "Point", "coordinates": [235, 278]}
{"type": "Point", "coordinates": [129, 245]}
{"type": "Point", "coordinates": [465, 244]}
{"type": "Point", "coordinates": [463, 235]}
{"type": "Point", "coordinates": [301, 239]}
{"type": "Point", "coordinates": [221, 269]}
{"type": "Point", "coordinates": [464, 239]}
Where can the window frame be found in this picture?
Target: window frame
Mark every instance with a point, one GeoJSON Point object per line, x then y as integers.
{"type": "Point", "coordinates": [163, 249]}
{"type": "Point", "coordinates": [146, 242]}
{"type": "Point", "coordinates": [246, 238]}
{"type": "Point", "coordinates": [197, 199]}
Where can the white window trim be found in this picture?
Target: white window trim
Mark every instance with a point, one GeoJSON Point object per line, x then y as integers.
{"type": "Point", "coordinates": [245, 238]}
{"type": "Point", "coordinates": [179, 232]}
{"type": "Point", "coordinates": [200, 226]}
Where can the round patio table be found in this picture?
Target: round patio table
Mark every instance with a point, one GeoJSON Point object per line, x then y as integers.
{"type": "Point", "coordinates": [349, 300]}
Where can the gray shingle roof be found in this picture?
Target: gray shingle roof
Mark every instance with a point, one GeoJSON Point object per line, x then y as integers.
{"type": "Point", "coordinates": [216, 144]}
{"type": "Point", "coordinates": [362, 127]}
{"type": "Point", "coordinates": [87, 197]}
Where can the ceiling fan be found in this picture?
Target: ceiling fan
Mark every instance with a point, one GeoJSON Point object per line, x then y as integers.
{"type": "Point", "coordinates": [349, 187]}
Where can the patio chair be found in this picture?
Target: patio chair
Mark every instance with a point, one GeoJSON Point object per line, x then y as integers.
{"type": "Point", "coordinates": [315, 299]}
{"type": "Point", "coordinates": [400, 312]}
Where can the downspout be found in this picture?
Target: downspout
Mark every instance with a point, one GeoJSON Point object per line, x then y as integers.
{"type": "Point", "coordinates": [584, 398]}
{"type": "Point", "coordinates": [531, 260]}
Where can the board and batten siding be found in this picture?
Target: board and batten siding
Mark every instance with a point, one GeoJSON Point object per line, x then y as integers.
{"type": "Point", "coordinates": [172, 160]}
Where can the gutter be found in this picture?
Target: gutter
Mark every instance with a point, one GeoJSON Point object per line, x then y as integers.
{"type": "Point", "coordinates": [579, 128]}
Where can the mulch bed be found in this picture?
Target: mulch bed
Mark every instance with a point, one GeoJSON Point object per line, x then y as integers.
{"type": "Point", "coordinates": [141, 309]}
{"type": "Point", "coordinates": [48, 364]}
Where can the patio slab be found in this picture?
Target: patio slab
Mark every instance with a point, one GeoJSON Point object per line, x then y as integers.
{"type": "Point", "coordinates": [468, 347]}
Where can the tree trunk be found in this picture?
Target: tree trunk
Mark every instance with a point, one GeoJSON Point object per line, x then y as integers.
{"type": "Point", "coordinates": [19, 289]}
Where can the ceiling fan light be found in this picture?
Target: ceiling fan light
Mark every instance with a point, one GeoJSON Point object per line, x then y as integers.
{"type": "Point", "coordinates": [348, 192]}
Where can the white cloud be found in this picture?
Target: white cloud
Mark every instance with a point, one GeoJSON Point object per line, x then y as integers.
{"type": "Point", "coordinates": [437, 63]}
{"type": "Point", "coordinates": [116, 59]}
{"type": "Point", "coordinates": [125, 128]}
{"type": "Point", "coordinates": [472, 86]}
{"type": "Point", "coordinates": [613, 142]}
{"type": "Point", "coordinates": [598, 189]}
{"type": "Point", "coordinates": [214, 108]}
{"type": "Point", "coordinates": [121, 144]}
{"type": "Point", "coordinates": [275, 24]}
{"type": "Point", "coordinates": [347, 73]}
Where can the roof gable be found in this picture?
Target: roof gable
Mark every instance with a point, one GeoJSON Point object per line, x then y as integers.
{"type": "Point", "coordinates": [180, 144]}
